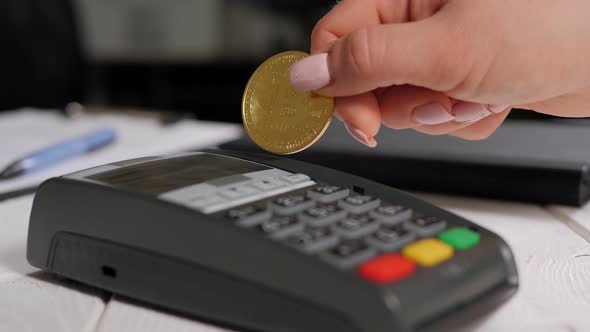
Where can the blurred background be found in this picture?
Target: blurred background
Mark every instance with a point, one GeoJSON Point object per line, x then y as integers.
{"type": "Point", "coordinates": [189, 56]}
{"type": "Point", "coordinates": [192, 57]}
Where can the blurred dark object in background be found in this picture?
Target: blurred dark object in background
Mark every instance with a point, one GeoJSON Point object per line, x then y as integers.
{"type": "Point", "coordinates": [40, 58]}
{"type": "Point", "coordinates": [192, 56]}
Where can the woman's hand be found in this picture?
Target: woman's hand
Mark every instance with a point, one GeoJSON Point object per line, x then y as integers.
{"type": "Point", "coordinates": [449, 66]}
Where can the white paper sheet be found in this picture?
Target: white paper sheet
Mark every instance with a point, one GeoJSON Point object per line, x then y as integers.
{"type": "Point", "coordinates": [25, 131]}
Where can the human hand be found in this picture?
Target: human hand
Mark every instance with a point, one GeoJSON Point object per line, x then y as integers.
{"type": "Point", "coordinates": [449, 66]}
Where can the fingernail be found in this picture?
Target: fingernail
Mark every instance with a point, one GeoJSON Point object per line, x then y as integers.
{"type": "Point", "coordinates": [360, 136]}
{"type": "Point", "coordinates": [310, 73]}
{"type": "Point", "coordinates": [498, 108]}
{"type": "Point", "coordinates": [432, 114]}
{"type": "Point", "coordinates": [469, 112]}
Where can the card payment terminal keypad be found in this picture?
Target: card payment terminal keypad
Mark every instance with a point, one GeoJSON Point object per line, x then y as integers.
{"type": "Point", "coordinates": [384, 241]}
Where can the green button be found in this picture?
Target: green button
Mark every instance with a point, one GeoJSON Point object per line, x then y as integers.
{"type": "Point", "coordinates": [460, 238]}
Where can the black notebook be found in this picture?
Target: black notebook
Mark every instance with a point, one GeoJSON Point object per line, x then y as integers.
{"type": "Point", "coordinates": [532, 161]}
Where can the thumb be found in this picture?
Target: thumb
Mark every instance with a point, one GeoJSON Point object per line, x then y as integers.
{"type": "Point", "coordinates": [424, 53]}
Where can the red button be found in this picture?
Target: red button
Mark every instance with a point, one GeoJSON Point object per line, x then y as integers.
{"type": "Point", "coordinates": [387, 268]}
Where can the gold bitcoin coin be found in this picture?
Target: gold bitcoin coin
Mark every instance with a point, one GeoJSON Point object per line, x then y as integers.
{"type": "Point", "coordinates": [278, 118]}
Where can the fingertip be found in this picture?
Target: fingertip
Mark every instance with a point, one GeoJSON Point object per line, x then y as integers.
{"type": "Point", "coordinates": [373, 143]}
{"type": "Point", "coordinates": [431, 114]}
{"type": "Point", "coordinates": [481, 129]}
{"type": "Point", "coordinates": [406, 107]}
{"type": "Point", "coordinates": [361, 112]}
{"type": "Point", "coordinates": [468, 112]}
{"type": "Point", "coordinates": [497, 108]}
{"type": "Point", "coordinates": [360, 136]}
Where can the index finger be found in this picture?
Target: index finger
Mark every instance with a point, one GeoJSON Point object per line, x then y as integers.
{"type": "Point", "coordinates": [350, 15]}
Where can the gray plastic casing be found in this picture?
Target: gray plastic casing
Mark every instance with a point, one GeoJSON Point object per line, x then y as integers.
{"type": "Point", "coordinates": [203, 266]}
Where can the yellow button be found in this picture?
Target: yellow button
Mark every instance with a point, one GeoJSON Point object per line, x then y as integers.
{"type": "Point", "coordinates": [428, 252]}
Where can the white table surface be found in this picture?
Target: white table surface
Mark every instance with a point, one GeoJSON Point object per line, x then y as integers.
{"type": "Point", "coordinates": [551, 245]}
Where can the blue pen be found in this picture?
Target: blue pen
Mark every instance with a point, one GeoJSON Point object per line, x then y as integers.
{"type": "Point", "coordinates": [58, 152]}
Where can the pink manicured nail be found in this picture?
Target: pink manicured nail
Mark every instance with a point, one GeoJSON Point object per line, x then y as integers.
{"type": "Point", "coordinates": [432, 114]}
{"type": "Point", "coordinates": [310, 73]}
{"type": "Point", "coordinates": [498, 108]}
{"type": "Point", "coordinates": [469, 112]}
{"type": "Point", "coordinates": [360, 136]}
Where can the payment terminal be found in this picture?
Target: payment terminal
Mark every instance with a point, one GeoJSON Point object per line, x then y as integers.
{"type": "Point", "coordinates": [263, 243]}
